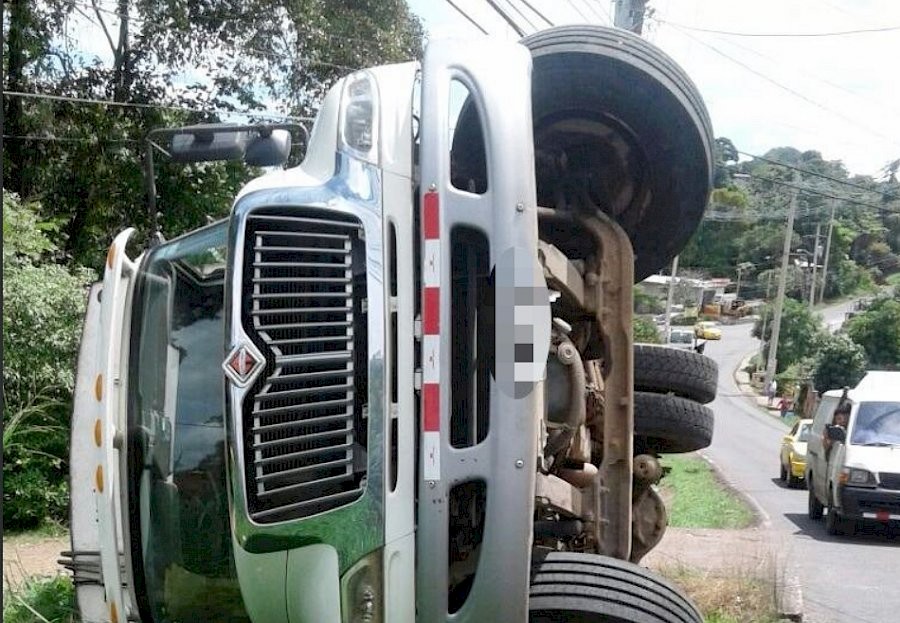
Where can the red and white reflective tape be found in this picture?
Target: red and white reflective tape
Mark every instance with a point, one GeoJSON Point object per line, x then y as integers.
{"type": "Point", "coordinates": [431, 347]}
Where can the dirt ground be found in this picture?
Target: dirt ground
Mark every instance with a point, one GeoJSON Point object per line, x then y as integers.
{"type": "Point", "coordinates": [711, 550]}
{"type": "Point", "coordinates": [29, 555]}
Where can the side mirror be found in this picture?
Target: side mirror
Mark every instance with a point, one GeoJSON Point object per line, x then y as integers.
{"type": "Point", "coordinates": [836, 433]}
{"type": "Point", "coordinates": [208, 143]}
{"type": "Point", "coordinates": [269, 149]}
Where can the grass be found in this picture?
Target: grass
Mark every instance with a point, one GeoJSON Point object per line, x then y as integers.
{"type": "Point", "coordinates": [893, 280]}
{"type": "Point", "coordinates": [734, 597]}
{"type": "Point", "coordinates": [41, 600]}
{"type": "Point", "coordinates": [696, 498]}
{"type": "Point", "coordinates": [48, 529]}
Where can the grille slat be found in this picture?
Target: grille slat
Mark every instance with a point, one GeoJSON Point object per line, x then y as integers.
{"type": "Point", "coordinates": [326, 419]}
{"type": "Point", "coordinates": [341, 432]}
{"type": "Point", "coordinates": [304, 485]}
{"type": "Point", "coordinates": [304, 391]}
{"type": "Point", "coordinates": [298, 471]}
{"type": "Point", "coordinates": [307, 310]}
{"type": "Point", "coordinates": [304, 407]}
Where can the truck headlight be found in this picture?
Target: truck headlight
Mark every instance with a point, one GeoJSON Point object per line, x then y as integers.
{"type": "Point", "coordinates": [359, 117]}
{"type": "Point", "coordinates": [856, 477]}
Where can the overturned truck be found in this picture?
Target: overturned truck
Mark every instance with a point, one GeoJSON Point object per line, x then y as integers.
{"type": "Point", "coordinates": [398, 383]}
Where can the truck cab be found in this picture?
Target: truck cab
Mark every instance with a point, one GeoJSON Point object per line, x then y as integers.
{"type": "Point", "coordinates": [395, 384]}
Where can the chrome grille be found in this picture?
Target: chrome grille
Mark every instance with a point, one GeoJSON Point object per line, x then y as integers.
{"type": "Point", "coordinates": [305, 450]}
{"type": "Point", "coordinates": [889, 480]}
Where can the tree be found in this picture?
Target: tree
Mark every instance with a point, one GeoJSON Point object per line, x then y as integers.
{"type": "Point", "coordinates": [877, 331]}
{"type": "Point", "coordinates": [248, 55]}
{"type": "Point", "coordinates": [799, 337]}
{"type": "Point", "coordinates": [840, 362]}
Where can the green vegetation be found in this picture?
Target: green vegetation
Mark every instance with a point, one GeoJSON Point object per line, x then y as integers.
{"type": "Point", "coordinates": [840, 362]}
{"type": "Point", "coordinates": [877, 331]}
{"type": "Point", "coordinates": [645, 331]}
{"type": "Point", "coordinates": [698, 498]}
{"type": "Point", "coordinates": [801, 333]}
{"type": "Point", "coordinates": [45, 600]}
{"type": "Point", "coordinates": [746, 216]}
{"type": "Point", "coordinates": [43, 305]}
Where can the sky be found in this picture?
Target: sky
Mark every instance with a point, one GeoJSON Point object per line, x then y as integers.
{"type": "Point", "coordinates": [839, 95]}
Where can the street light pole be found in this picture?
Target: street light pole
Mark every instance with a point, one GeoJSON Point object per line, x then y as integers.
{"type": "Point", "coordinates": [827, 249]}
{"type": "Point", "coordinates": [779, 298]}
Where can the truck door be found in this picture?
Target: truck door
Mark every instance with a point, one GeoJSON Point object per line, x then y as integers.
{"type": "Point", "coordinates": [478, 425]}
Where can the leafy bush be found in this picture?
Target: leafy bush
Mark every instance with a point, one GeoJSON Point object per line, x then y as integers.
{"type": "Point", "coordinates": [43, 306]}
{"type": "Point", "coordinates": [839, 363]}
{"type": "Point", "coordinates": [645, 331]}
{"type": "Point", "coordinates": [877, 330]}
{"type": "Point", "coordinates": [53, 599]}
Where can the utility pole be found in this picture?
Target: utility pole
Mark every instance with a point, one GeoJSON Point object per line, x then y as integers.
{"type": "Point", "coordinates": [815, 264]}
{"type": "Point", "coordinates": [762, 334]}
{"type": "Point", "coordinates": [779, 298]}
{"type": "Point", "coordinates": [667, 327]}
{"type": "Point", "coordinates": [827, 249]}
{"type": "Point", "coordinates": [630, 15]}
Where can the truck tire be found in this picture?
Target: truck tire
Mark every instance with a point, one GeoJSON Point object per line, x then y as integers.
{"type": "Point", "coordinates": [658, 128]}
{"type": "Point", "coordinates": [681, 372]}
{"type": "Point", "coordinates": [588, 588]}
{"type": "Point", "coordinates": [667, 424]}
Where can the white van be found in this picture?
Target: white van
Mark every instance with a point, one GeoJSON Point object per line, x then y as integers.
{"type": "Point", "coordinates": [858, 477]}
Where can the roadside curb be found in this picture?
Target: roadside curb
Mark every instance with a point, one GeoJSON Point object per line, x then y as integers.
{"type": "Point", "coordinates": [746, 389]}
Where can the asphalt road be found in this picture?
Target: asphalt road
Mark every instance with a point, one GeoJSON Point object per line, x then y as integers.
{"type": "Point", "coordinates": [844, 580]}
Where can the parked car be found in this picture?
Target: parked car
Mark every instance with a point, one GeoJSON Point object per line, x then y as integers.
{"type": "Point", "coordinates": [793, 453]}
{"type": "Point", "coordinates": [853, 460]}
{"type": "Point", "coordinates": [707, 330]}
{"type": "Point", "coordinates": [681, 338]}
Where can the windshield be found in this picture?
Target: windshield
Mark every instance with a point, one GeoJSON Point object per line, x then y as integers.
{"type": "Point", "coordinates": [177, 485]}
{"type": "Point", "coordinates": [877, 423]}
{"type": "Point", "coordinates": [804, 432]}
{"type": "Point", "coordinates": [681, 337]}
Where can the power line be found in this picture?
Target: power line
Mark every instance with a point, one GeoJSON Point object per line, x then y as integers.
{"type": "Point", "coordinates": [577, 10]}
{"type": "Point", "coordinates": [522, 15]}
{"type": "Point", "coordinates": [605, 11]}
{"type": "Point", "coordinates": [591, 8]}
{"type": "Point", "coordinates": [68, 139]}
{"type": "Point", "coordinates": [85, 100]}
{"type": "Point", "coordinates": [793, 92]}
{"type": "Point", "coordinates": [538, 13]}
{"type": "Point", "coordinates": [468, 17]}
{"type": "Point", "coordinates": [807, 73]}
{"type": "Point", "coordinates": [732, 33]}
{"type": "Point", "coordinates": [512, 23]}
{"type": "Point", "coordinates": [814, 191]}
{"type": "Point", "coordinates": [815, 174]}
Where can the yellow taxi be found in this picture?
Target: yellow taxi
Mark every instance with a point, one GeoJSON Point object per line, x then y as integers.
{"type": "Point", "coordinates": [793, 453]}
{"type": "Point", "coordinates": [707, 330]}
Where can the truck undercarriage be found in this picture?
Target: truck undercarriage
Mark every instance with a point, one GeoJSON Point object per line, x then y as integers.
{"type": "Point", "coordinates": [399, 383]}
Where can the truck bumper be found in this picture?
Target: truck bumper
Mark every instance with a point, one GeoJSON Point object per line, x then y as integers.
{"type": "Point", "coordinates": [878, 504]}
